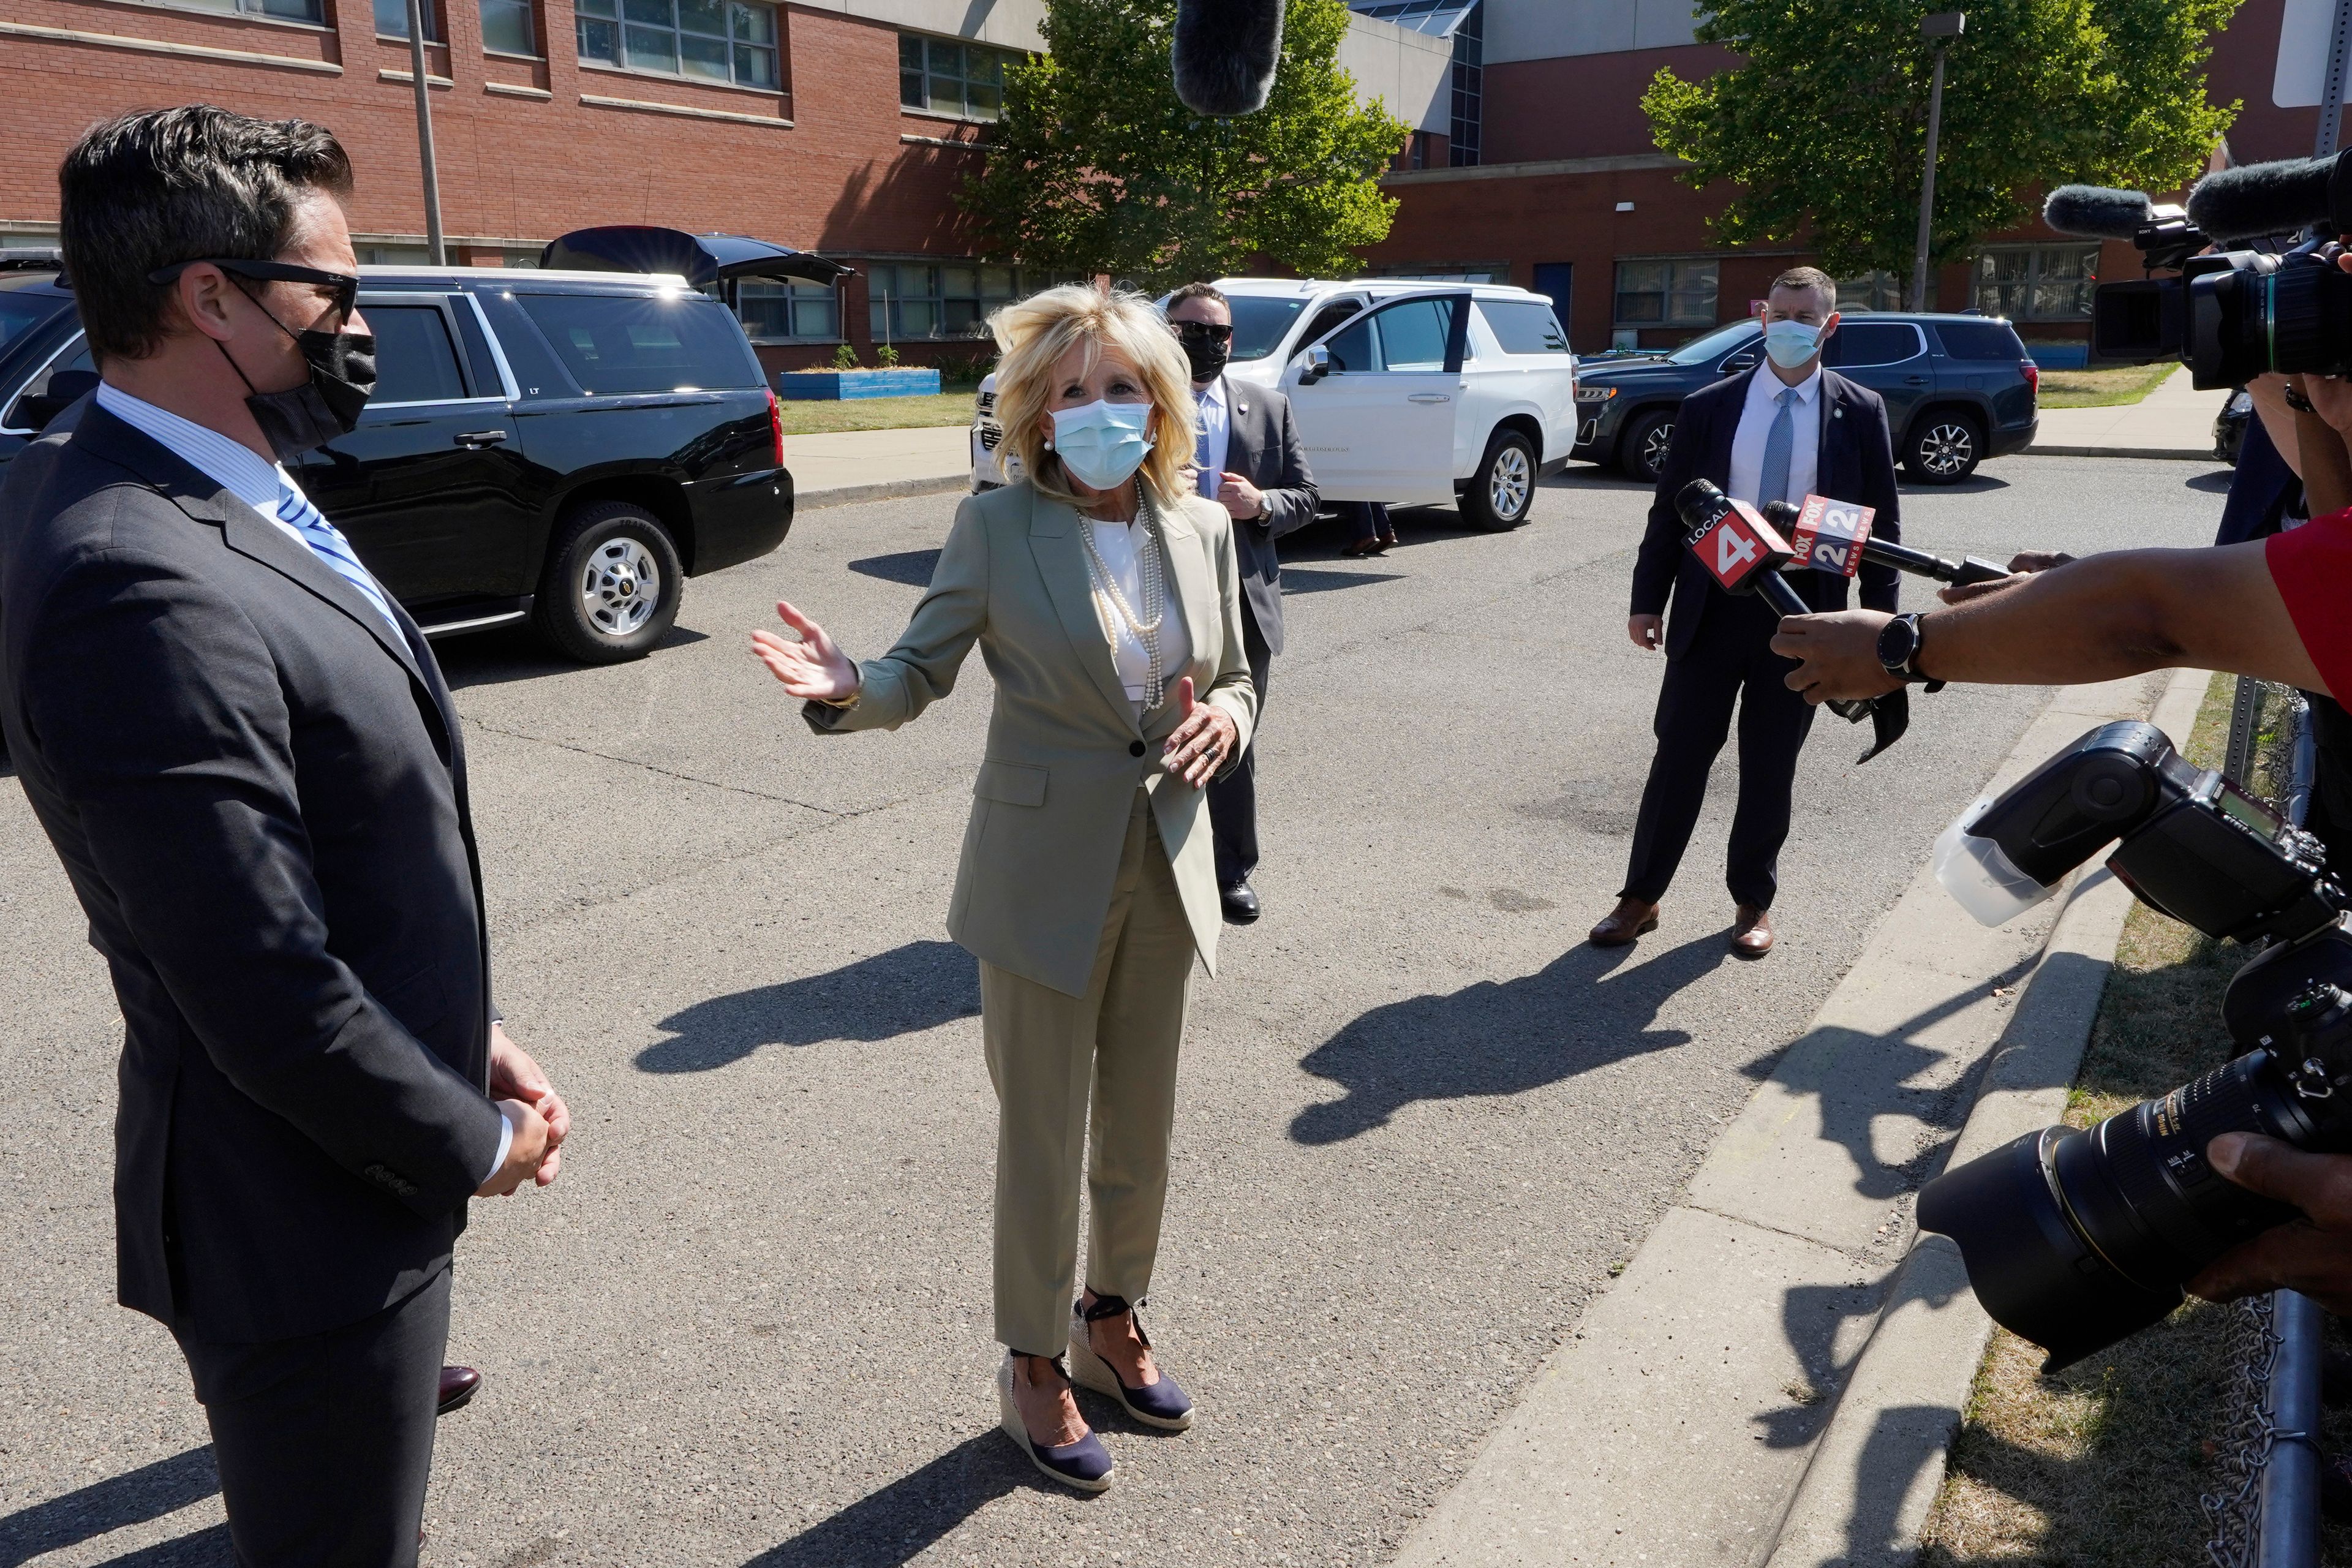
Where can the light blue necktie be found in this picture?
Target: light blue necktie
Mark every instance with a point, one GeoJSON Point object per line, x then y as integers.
{"type": "Point", "coordinates": [1208, 480]}
{"type": "Point", "coordinates": [1778, 444]}
{"type": "Point", "coordinates": [327, 542]}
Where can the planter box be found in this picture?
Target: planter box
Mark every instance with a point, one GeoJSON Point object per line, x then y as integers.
{"type": "Point", "coordinates": [832, 385]}
{"type": "Point", "coordinates": [2060, 356]}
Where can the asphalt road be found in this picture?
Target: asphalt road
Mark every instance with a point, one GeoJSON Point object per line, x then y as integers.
{"type": "Point", "coordinates": [749, 1325]}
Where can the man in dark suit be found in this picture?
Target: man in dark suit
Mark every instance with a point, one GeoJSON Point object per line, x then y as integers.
{"type": "Point", "coordinates": [245, 756]}
{"type": "Point", "coordinates": [1251, 461]}
{"type": "Point", "coordinates": [1779, 432]}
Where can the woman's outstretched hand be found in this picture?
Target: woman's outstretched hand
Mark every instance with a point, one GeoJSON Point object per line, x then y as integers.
{"type": "Point", "coordinates": [811, 669]}
{"type": "Point", "coordinates": [1203, 740]}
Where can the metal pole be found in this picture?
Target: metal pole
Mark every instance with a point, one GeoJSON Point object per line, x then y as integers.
{"type": "Point", "coordinates": [1926, 185]}
{"type": "Point", "coordinates": [2331, 88]}
{"type": "Point", "coordinates": [436, 251]}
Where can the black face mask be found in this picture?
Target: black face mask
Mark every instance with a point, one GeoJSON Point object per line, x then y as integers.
{"type": "Point", "coordinates": [1208, 356]}
{"type": "Point", "coordinates": [328, 405]}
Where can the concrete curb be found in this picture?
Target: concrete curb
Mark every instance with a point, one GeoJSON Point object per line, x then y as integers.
{"type": "Point", "coordinates": [1877, 1469]}
{"type": "Point", "coordinates": [2190, 454]}
{"type": "Point", "coordinates": [1680, 1424]}
{"type": "Point", "coordinates": [849, 495]}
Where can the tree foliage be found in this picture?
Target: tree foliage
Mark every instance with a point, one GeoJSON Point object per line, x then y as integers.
{"type": "Point", "coordinates": [1097, 167]}
{"type": "Point", "coordinates": [1824, 123]}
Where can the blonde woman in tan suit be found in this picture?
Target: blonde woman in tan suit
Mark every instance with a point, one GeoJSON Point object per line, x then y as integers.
{"type": "Point", "coordinates": [1104, 593]}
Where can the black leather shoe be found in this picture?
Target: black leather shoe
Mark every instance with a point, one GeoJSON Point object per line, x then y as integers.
{"type": "Point", "coordinates": [458, 1383]}
{"type": "Point", "coordinates": [1240, 900]}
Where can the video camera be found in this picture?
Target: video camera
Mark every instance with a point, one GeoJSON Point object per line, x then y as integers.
{"type": "Point", "coordinates": [2076, 1239]}
{"type": "Point", "coordinates": [2232, 315]}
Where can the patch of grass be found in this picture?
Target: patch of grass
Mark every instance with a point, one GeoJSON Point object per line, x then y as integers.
{"type": "Point", "coordinates": [2101, 1465]}
{"type": "Point", "coordinates": [813, 417]}
{"type": "Point", "coordinates": [2102, 388]}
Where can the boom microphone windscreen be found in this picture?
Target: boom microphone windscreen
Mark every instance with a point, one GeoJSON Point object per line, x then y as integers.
{"type": "Point", "coordinates": [2098, 211]}
{"type": "Point", "coordinates": [2273, 198]}
{"type": "Point", "coordinates": [1225, 54]}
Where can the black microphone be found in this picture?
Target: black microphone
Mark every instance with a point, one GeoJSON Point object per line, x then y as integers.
{"type": "Point", "coordinates": [1225, 53]}
{"type": "Point", "coordinates": [2256, 199]}
{"type": "Point", "coordinates": [1784, 515]}
{"type": "Point", "coordinates": [2098, 211]}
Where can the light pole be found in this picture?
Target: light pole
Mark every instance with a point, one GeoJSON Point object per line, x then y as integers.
{"type": "Point", "coordinates": [1940, 25]}
{"type": "Point", "coordinates": [435, 251]}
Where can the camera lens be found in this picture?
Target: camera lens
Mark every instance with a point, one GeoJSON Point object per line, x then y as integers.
{"type": "Point", "coordinates": [2260, 314]}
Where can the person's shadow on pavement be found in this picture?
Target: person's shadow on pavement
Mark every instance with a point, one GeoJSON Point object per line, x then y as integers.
{"type": "Point", "coordinates": [906, 1518]}
{"type": "Point", "coordinates": [1568, 1017]}
{"type": "Point", "coordinates": [905, 991]}
{"type": "Point", "coordinates": [135, 1497]}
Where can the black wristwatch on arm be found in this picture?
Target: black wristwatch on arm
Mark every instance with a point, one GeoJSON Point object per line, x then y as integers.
{"type": "Point", "coordinates": [1899, 650]}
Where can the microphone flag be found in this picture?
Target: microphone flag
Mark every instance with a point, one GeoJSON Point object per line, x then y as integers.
{"type": "Point", "coordinates": [1829, 534]}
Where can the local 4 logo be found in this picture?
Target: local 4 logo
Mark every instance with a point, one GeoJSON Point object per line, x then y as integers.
{"type": "Point", "coordinates": [1739, 544]}
{"type": "Point", "coordinates": [1830, 534]}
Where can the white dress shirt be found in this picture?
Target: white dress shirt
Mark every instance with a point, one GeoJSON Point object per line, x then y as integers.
{"type": "Point", "coordinates": [1756, 427]}
{"type": "Point", "coordinates": [251, 478]}
{"type": "Point", "coordinates": [1217, 424]}
{"type": "Point", "coordinates": [1121, 544]}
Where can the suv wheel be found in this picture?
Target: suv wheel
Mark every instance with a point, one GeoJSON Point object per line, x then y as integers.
{"type": "Point", "coordinates": [1945, 448]}
{"type": "Point", "coordinates": [1643, 453]}
{"type": "Point", "coordinates": [611, 587]}
{"type": "Point", "coordinates": [1502, 492]}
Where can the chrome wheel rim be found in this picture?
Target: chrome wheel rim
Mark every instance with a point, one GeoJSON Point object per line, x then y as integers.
{"type": "Point", "coordinates": [1508, 483]}
{"type": "Point", "coordinates": [620, 586]}
{"type": "Point", "coordinates": [1653, 448]}
{"type": "Point", "coordinates": [1945, 449]}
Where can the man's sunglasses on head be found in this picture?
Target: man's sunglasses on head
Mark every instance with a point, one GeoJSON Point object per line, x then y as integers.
{"type": "Point", "coordinates": [1204, 332]}
{"type": "Point", "coordinates": [346, 287]}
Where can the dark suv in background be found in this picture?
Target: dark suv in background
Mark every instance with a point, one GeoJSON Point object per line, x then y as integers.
{"type": "Point", "coordinates": [565, 448]}
{"type": "Point", "coordinates": [1959, 389]}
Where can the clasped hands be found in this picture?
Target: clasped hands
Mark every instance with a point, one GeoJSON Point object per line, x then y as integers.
{"type": "Point", "coordinates": [541, 1120]}
{"type": "Point", "coordinates": [815, 670]}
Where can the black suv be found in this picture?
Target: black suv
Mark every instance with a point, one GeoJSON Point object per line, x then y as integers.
{"type": "Point", "coordinates": [564, 447]}
{"type": "Point", "coordinates": [1959, 389]}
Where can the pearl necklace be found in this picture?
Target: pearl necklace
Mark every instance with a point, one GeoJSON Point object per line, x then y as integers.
{"type": "Point", "coordinates": [1152, 579]}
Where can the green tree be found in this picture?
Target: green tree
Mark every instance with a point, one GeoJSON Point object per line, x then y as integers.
{"type": "Point", "coordinates": [1096, 167]}
{"type": "Point", "coordinates": [1825, 121]}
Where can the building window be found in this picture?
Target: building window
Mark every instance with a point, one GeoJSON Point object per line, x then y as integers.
{"type": "Point", "coordinates": [1669, 291]}
{"type": "Point", "coordinates": [1871, 291]}
{"type": "Point", "coordinates": [2037, 282]}
{"type": "Point", "coordinates": [508, 27]}
{"type": "Point", "coordinates": [1469, 86]}
{"type": "Point", "coordinates": [781, 313]}
{"type": "Point", "coordinates": [703, 40]}
{"type": "Point", "coordinates": [1416, 151]}
{"type": "Point", "coordinates": [911, 300]}
{"type": "Point", "coordinates": [946, 75]}
{"type": "Point", "coordinates": [279, 10]}
{"type": "Point", "coordinates": [392, 20]}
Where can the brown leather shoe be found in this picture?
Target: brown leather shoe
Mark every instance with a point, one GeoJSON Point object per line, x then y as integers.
{"type": "Point", "coordinates": [1751, 932]}
{"type": "Point", "coordinates": [458, 1383]}
{"type": "Point", "coordinates": [1629, 920]}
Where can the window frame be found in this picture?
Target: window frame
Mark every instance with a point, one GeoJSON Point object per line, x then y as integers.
{"type": "Point", "coordinates": [530, 8]}
{"type": "Point", "coordinates": [436, 26]}
{"type": "Point", "coordinates": [620, 22]}
{"type": "Point", "coordinates": [1004, 57]}
{"type": "Point", "coordinates": [1457, 332]}
{"type": "Point", "coordinates": [1022, 283]}
{"type": "Point", "coordinates": [468, 373]}
{"type": "Point", "coordinates": [795, 294]}
{"type": "Point", "coordinates": [1672, 291]}
{"type": "Point", "coordinates": [1984, 291]}
{"type": "Point", "coordinates": [1918, 343]}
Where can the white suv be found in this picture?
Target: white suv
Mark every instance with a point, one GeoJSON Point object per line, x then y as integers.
{"type": "Point", "coordinates": [1406, 393]}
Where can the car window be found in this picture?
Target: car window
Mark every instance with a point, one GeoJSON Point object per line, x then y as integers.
{"type": "Point", "coordinates": [67, 377]}
{"type": "Point", "coordinates": [1354, 350]}
{"type": "Point", "coordinates": [644, 343]}
{"type": "Point", "coordinates": [1524, 327]}
{"type": "Point", "coordinates": [415, 360]}
{"type": "Point", "coordinates": [1260, 324]}
{"type": "Point", "coordinates": [1412, 335]}
{"type": "Point", "coordinates": [1329, 317]}
{"type": "Point", "coordinates": [1722, 340]}
{"type": "Point", "coordinates": [1861, 343]}
{"type": "Point", "coordinates": [24, 314]}
{"type": "Point", "coordinates": [1980, 340]}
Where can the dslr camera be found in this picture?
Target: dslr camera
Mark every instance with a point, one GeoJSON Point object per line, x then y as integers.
{"type": "Point", "coordinates": [2076, 1239]}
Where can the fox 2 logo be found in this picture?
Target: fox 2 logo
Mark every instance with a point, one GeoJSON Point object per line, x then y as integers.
{"type": "Point", "coordinates": [1830, 534]}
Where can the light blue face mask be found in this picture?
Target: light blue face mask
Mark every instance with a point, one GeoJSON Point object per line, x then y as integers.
{"type": "Point", "coordinates": [1792, 344]}
{"type": "Point", "coordinates": [1102, 444]}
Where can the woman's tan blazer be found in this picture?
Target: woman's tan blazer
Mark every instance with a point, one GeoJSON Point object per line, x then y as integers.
{"type": "Point", "coordinates": [1066, 752]}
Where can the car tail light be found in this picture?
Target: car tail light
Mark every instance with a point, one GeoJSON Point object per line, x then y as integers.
{"type": "Point", "coordinates": [776, 425]}
{"type": "Point", "coordinates": [2032, 380]}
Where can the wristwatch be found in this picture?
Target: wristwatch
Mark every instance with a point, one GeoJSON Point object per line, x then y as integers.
{"type": "Point", "coordinates": [1899, 650]}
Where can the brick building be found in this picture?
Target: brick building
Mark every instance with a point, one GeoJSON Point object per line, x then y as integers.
{"type": "Point", "coordinates": [842, 126]}
{"type": "Point", "coordinates": [1545, 174]}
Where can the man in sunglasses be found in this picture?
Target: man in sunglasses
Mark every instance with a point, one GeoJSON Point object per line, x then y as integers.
{"type": "Point", "coordinates": [244, 752]}
{"type": "Point", "coordinates": [1250, 461]}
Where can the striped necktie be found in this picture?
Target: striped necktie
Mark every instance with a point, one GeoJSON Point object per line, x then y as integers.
{"type": "Point", "coordinates": [328, 543]}
{"type": "Point", "coordinates": [1207, 478]}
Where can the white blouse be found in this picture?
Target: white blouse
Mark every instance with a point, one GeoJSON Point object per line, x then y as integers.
{"type": "Point", "coordinates": [1121, 544]}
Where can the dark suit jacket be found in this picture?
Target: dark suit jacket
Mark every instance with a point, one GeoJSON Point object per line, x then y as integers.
{"type": "Point", "coordinates": [1856, 463]}
{"type": "Point", "coordinates": [1265, 448]}
{"type": "Point", "coordinates": [257, 789]}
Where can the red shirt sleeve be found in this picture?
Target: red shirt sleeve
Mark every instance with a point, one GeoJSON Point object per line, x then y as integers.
{"type": "Point", "coordinates": [2313, 568]}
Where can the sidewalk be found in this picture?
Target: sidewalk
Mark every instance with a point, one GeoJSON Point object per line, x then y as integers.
{"type": "Point", "coordinates": [844, 466]}
{"type": "Point", "coordinates": [2174, 421]}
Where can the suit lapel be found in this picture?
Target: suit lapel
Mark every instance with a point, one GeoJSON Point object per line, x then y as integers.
{"type": "Point", "coordinates": [1725, 428]}
{"type": "Point", "coordinates": [1195, 590]}
{"type": "Point", "coordinates": [1240, 451]}
{"type": "Point", "coordinates": [1061, 561]}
